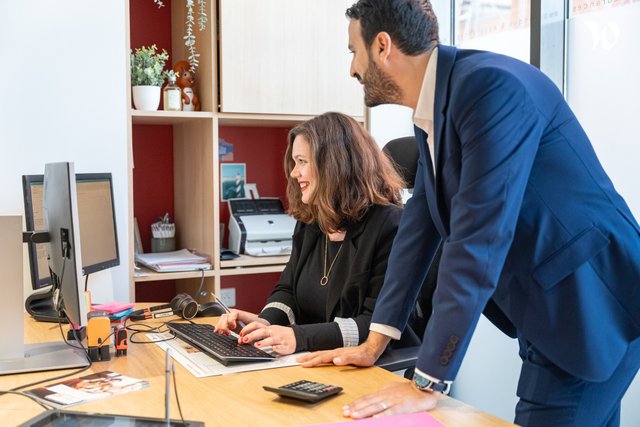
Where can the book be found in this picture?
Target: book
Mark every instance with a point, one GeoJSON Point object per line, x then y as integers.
{"type": "Point", "coordinates": [86, 388]}
{"type": "Point", "coordinates": [181, 260]}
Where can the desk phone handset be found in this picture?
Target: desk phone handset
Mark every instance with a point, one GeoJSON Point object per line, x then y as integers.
{"type": "Point", "coordinates": [305, 390]}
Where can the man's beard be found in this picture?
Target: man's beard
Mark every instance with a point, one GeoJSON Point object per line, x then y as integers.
{"type": "Point", "coordinates": [379, 88]}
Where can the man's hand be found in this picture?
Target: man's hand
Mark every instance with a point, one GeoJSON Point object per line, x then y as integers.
{"type": "Point", "coordinates": [365, 354]}
{"type": "Point", "coordinates": [393, 399]}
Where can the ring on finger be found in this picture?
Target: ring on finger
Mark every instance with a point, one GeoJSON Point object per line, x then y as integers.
{"type": "Point", "coordinates": [383, 406]}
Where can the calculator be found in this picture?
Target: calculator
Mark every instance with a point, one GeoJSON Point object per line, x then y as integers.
{"type": "Point", "coordinates": [308, 391]}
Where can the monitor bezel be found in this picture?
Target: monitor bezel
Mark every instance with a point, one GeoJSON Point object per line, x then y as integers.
{"type": "Point", "coordinates": [27, 182]}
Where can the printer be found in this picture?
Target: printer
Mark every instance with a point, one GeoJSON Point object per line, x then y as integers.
{"type": "Point", "coordinates": [259, 227]}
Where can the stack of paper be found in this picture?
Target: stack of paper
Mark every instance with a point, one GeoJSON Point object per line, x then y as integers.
{"type": "Point", "coordinates": [115, 310]}
{"type": "Point", "coordinates": [181, 260]}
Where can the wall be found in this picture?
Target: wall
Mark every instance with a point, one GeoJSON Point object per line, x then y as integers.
{"type": "Point", "coordinates": [64, 98]}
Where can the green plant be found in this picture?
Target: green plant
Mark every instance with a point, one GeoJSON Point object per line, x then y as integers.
{"type": "Point", "coordinates": [147, 66]}
{"type": "Point", "coordinates": [189, 37]}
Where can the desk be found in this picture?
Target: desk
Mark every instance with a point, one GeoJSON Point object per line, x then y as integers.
{"type": "Point", "coordinates": [230, 400]}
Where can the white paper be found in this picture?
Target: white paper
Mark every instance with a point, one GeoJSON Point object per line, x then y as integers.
{"type": "Point", "coordinates": [202, 365]}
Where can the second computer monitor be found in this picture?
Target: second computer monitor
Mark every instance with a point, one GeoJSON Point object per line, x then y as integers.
{"type": "Point", "coordinates": [98, 234]}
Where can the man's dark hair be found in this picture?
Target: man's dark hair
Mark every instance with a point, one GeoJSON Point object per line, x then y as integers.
{"type": "Point", "coordinates": [412, 25]}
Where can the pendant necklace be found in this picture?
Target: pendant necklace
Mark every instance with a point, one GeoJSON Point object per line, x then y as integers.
{"type": "Point", "coordinates": [325, 278]}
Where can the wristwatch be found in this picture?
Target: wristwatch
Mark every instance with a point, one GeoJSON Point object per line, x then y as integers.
{"type": "Point", "coordinates": [425, 384]}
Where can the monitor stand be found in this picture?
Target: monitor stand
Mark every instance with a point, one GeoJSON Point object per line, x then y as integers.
{"type": "Point", "coordinates": [47, 356]}
{"type": "Point", "coordinates": [16, 356]}
{"type": "Point", "coordinates": [40, 306]}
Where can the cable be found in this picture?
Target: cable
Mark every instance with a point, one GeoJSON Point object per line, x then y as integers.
{"type": "Point", "coordinates": [199, 292]}
{"type": "Point", "coordinates": [19, 393]}
{"type": "Point", "coordinates": [74, 373]}
{"type": "Point", "coordinates": [86, 282]}
{"type": "Point", "coordinates": [147, 329]}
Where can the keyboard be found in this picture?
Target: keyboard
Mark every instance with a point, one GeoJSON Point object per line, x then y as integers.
{"type": "Point", "coordinates": [225, 349]}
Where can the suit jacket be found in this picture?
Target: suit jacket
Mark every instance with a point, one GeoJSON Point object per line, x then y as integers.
{"type": "Point", "coordinates": [533, 231]}
{"type": "Point", "coordinates": [355, 283]}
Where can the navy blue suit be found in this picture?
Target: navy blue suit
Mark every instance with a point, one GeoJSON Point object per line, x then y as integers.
{"type": "Point", "coordinates": [534, 233]}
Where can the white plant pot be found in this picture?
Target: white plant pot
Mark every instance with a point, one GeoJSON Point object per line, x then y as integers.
{"type": "Point", "coordinates": [146, 98]}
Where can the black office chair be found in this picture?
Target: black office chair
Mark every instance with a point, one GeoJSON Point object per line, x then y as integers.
{"type": "Point", "coordinates": [404, 153]}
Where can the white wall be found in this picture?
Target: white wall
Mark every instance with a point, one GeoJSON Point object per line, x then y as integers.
{"type": "Point", "coordinates": [63, 99]}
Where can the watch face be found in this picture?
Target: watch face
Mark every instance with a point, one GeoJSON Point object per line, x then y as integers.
{"type": "Point", "coordinates": [421, 382]}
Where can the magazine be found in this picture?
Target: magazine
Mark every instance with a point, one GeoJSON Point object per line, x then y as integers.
{"type": "Point", "coordinates": [87, 388]}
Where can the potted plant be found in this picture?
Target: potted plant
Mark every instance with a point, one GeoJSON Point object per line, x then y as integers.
{"type": "Point", "coordinates": [147, 76]}
{"type": "Point", "coordinates": [190, 37]}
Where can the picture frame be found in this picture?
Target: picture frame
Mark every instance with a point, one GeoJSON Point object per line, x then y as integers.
{"type": "Point", "coordinates": [233, 177]}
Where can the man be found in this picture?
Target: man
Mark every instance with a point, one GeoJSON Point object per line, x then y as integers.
{"type": "Point", "coordinates": [534, 234]}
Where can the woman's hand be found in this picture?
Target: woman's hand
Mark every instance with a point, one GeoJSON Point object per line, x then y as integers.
{"type": "Point", "coordinates": [229, 321]}
{"type": "Point", "coordinates": [281, 338]}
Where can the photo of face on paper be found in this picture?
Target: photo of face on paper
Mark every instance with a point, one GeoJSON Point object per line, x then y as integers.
{"type": "Point", "coordinates": [233, 177]}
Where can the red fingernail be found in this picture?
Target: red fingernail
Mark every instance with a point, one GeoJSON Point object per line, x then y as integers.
{"type": "Point", "coordinates": [245, 339]}
{"type": "Point", "coordinates": [258, 344]}
{"type": "Point", "coordinates": [228, 333]}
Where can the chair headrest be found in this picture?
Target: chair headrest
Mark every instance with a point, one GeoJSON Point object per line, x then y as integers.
{"type": "Point", "coordinates": [404, 152]}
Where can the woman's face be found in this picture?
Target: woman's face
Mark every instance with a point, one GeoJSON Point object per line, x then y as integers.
{"type": "Point", "coordinates": [303, 171]}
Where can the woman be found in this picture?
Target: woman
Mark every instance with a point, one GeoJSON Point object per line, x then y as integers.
{"type": "Point", "coordinates": [345, 194]}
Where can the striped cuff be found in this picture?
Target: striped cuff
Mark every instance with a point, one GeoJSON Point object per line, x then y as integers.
{"type": "Point", "coordinates": [349, 331]}
{"type": "Point", "coordinates": [282, 307]}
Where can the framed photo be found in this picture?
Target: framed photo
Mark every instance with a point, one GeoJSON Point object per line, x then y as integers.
{"type": "Point", "coordinates": [233, 177]}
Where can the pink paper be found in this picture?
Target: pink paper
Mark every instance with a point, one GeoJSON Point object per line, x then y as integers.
{"type": "Point", "coordinates": [422, 419]}
{"type": "Point", "coordinates": [113, 307]}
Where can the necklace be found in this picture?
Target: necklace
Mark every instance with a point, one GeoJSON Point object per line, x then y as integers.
{"type": "Point", "coordinates": [325, 278]}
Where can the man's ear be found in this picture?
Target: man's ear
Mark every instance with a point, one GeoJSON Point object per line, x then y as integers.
{"type": "Point", "coordinates": [382, 45]}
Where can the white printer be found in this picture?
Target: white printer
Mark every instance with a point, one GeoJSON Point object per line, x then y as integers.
{"type": "Point", "coordinates": [259, 227]}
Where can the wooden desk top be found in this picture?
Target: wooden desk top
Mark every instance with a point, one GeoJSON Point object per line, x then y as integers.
{"type": "Point", "coordinates": [236, 399]}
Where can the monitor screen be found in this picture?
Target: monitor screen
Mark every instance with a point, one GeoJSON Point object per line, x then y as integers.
{"type": "Point", "coordinates": [60, 213]}
{"type": "Point", "coordinates": [98, 234]}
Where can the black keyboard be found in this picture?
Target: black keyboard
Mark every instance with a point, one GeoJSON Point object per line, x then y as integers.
{"type": "Point", "coordinates": [223, 348]}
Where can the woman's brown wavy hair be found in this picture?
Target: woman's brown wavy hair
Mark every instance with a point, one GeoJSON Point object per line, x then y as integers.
{"type": "Point", "coordinates": [352, 173]}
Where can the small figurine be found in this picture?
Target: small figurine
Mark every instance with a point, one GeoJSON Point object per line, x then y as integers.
{"type": "Point", "coordinates": [186, 80]}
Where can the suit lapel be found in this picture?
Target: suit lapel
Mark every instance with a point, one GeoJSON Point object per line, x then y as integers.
{"type": "Point", "coordinates": [343, 267]}
{"type": "Point", "coordinates": [309, 239]}
{"type": "Point", "coordinates": [446, 60]}
{"type": "Point", "coordinates": [429, 184]}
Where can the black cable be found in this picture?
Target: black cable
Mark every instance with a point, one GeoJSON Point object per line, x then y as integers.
{"type": "Point", "coordinates": [86, 283]}
{"type": "Point", "coordinates": [74, 373]}
{"type": "Point", "coordinates": [147, 329]}
{"type": "Point", "coordinates": [19, 393]}
{"type": "Point", "coordinates": [198, 293]}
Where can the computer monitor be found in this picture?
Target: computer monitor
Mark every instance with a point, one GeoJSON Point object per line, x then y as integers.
{"type": "Point", "coordinates": [61, 220]}
{"type": "Point", "coordinates": [60, 213]}
{"type": "Point", "coordinates": [99, 237]}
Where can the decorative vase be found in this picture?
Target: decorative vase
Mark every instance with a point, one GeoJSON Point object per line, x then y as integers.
{"type": "Point", "coordinates": [146, 98]}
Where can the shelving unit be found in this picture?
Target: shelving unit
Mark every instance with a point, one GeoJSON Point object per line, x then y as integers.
{"type": "Point", "coordinates": [195, 135]}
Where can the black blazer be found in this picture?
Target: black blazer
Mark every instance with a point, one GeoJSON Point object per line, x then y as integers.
{"type": "Point", "coordinates": [359, 273]}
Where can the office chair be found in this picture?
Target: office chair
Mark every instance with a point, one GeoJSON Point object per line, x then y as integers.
{"type": "Point", "coordinates": [404, 153]}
